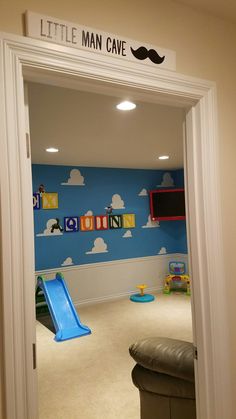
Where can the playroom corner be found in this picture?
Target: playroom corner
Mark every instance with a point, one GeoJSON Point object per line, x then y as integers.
{"type": "Point", "coordinates": [111, 254]}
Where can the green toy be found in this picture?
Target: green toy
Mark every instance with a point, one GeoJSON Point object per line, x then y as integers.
{"type": "Point", "coordinates": [177, 279]}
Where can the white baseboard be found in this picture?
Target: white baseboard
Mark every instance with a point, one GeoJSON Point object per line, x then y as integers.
{"type": "Point", "coordinates": [110, 298]}
{"type": "Point", "coordinates": [107, 281]}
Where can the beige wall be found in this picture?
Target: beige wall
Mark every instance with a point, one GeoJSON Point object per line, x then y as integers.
{"type": "Point", "coordinates": [205, 48]}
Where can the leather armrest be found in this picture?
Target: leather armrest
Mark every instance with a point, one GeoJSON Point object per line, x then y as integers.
{"type": "Point", "coordinates": [166, 356]}
{"type": "Point", "coordinates": [162, 384]}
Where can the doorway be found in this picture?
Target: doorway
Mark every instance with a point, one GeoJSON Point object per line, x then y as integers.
{"type": "Point", "coordinates": [24, 58]}
{"type": "Point", "coordinates": [104, 146]}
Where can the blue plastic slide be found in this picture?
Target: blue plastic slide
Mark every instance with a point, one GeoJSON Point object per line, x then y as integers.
{"type": "Point", "coordinates": [65, 318]}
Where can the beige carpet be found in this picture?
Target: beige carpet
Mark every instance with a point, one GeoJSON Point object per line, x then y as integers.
{"type": "Point", "coordinates": [90, 377]}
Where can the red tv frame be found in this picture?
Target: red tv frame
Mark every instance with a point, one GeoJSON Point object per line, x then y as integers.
{"type": "Point", "coordinates": [167, 204]}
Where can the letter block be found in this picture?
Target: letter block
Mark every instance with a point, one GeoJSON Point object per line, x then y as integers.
{"type": "Point", "coordinates": [36, 201]}
{"type": "Point", "coordinates": [128, 220]}
{"type": "Point", "coordinates": [50, 200]}
{"type": "Point", "coordinates": [87, 223]}
{"type": "Point", "coordinates": [101, 222]}
{"type": "Point", "coordinates": [115, 221]}
{"type": "Point", "coordinates": [71, 224]}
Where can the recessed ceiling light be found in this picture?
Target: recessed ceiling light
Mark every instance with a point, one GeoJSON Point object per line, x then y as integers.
{"type": "Point", "coordinates": [163, 157]}
{"type": "Point", "coordinates": [126, 106]}
{"type": "Point", "coordinates": [52, 150]}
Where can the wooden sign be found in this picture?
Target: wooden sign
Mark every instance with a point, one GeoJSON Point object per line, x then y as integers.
{"type": "Point", "coordinates": [51, 29]}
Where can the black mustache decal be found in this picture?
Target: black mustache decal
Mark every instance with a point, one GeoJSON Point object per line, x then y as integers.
{"type": "Point", "coordinates": [142, 53]}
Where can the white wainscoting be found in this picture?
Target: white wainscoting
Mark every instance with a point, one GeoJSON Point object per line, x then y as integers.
{"type": "Point", "coordinates": [99, 282]}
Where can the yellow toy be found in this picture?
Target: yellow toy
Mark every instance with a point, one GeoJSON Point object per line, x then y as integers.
{"type": "Point", "coordinates": [141, 288]}
{"type": "Point", "coordinates": [177, 279]}
{"type": "Point", "coordinates": [141, 297]}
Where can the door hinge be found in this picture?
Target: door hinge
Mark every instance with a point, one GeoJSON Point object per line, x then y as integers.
{"type": "Point", "coordinates": [34, 356]}
{"type": "Point", "coordinates": [195, 355]}
{"type": "Point", "coordinates": [28, 145]}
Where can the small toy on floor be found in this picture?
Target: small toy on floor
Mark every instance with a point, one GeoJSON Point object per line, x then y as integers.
{"type": "Point", "coordinates": [177, 279]}
{"type": "Point", "coordinates": [141, 297]}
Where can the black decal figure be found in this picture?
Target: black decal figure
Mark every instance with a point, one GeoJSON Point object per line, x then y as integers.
{"type": "Point", "coordinates": [142, 53]}
{"type": "Point", "coordinates": [56, 226]}
{"type": "Point", "coordinates": [109, 209]}
{"type": "Point", "coordinates": [41, 189]}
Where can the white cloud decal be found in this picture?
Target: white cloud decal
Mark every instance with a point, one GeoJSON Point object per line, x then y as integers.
{"type": "Point", "coordinates": [75, 179]}
{"type": "Point", "coordinates": [89, 213]}
{"type": "Point", "coordinates": [167, 180]}
{"type": "Point", "coordinates": [127, 234]}
{"type": "Point", "coordinates": [151, 224]}
{"type": "Point", "coordinates": [67, 262]}
{"type": "Point", "coordinates": [143, 192]}
{"type": "Point", "coordinates": [48, 232]}
{"type": "Point", "coordinates": [99, 247]}
{"type": "Point", "coordinates": [162, 251]}
{"type": "Point", "coordinates": [117, 202]}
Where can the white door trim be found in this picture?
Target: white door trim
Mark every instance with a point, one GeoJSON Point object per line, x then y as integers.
{"type": "Point", "coordinates": [40, 60]}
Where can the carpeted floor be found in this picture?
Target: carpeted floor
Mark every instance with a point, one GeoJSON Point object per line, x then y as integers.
{"type": "Point", "coordinates": [90, 377]}
{"type": "Point", "coordinates": [46, 321]}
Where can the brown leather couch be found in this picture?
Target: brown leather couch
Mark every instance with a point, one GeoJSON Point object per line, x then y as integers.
{"type": "Point", "coordinates": [164, 375]}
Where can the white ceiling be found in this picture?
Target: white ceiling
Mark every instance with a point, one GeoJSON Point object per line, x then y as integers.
{"type": "Point", "coordinates": [89, 130]}
{"type": "Point", "coordinates": [223, 9]}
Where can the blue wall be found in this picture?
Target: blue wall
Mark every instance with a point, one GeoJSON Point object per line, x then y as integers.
{"type": "Point", "coordinates": [94, 193]}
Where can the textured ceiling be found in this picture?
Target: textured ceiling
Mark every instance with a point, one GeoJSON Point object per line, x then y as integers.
{"type": "Point", "coordinates": [89, 130]}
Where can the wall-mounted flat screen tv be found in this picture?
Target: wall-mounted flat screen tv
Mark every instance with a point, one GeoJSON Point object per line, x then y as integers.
{"type": "Point", "coordinates": [167, 204]}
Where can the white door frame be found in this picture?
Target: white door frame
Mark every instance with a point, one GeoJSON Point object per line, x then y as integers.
{"type": "Point", "coordinates": [20, 56]}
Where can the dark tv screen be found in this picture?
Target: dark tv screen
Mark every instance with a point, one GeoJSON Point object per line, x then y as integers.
{"type": "Point", "coordinates": [167, 204]}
